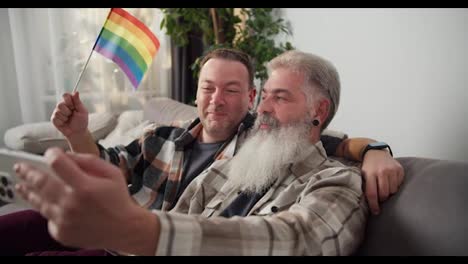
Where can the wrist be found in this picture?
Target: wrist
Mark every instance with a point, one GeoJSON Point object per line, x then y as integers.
{"type": "Point", "coordinates": [376, 146]}
{"type": "Point", "coordinates": [139, 234]}
{"type": "Point", "coordinates": [83, 143]}
{"type": "Point", "coordinates": [79, 137]}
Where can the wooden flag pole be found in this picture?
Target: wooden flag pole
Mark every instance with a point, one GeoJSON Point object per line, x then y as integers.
{"type": "Point", "coordinates": [89, 57]}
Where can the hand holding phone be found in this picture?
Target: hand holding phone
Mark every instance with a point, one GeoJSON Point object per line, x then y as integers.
{"type": "Point", "coordinates": [8, 177]}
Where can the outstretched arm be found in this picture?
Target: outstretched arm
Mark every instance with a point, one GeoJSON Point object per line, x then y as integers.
{"type": "Point", "coordinates": [88, 204]}
{"type": "Point", "coordinates": [89, 207]}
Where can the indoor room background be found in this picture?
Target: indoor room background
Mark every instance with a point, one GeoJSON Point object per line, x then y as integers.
{"type": "Point", "coordinates": [404, 72]}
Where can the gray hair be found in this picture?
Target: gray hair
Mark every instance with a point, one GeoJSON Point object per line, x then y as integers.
{"type": "Point", "coordinates": [318, 73]}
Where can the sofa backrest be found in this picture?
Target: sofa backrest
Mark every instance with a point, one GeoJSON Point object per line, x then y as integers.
{"type": "Point", "coordinates": [165, 110]}
{"type": "Point", "coordinates": [427, 216]}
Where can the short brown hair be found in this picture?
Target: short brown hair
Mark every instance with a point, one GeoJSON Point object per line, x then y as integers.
{"type": "Point", "coordinates": [234, 55]}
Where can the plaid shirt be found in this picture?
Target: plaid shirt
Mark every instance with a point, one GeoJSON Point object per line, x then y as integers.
{"type": "Point", "coordinates": [154, 164]}
{"type": "Point", "coordinates": [315, 208]}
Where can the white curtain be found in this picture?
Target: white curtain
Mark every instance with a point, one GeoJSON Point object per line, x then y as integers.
{"type": "Point", "coordinates": [44, 50]}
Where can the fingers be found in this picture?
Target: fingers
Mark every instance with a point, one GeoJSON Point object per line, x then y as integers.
{"type": "Point", "coordinates": [61, 117]}
{"type": "Point", "coordinates": [394, 175]}
{"type": "Point", "coordinates": [32, 177]}
{"type": "Point", "coordinates": [372, 195]}
{"type": "Point", "coordinates": [79, 106]}
{"type": "Point", "coordinates": [401, 174]}
{"type": "Point", "coordinates": [384, 187]}
{"type": "Point", "coordinates": [61, 114]}
{"type": "Point", "coordinates": [46, 209]}
{"type": "Point", "coordinates": [94, 165]}
{"type": "Point", "coordinates": [29, 195]}
{"type": "Point", "coordinates": [36, 183]}
{"type": "Point", "coordinates": [26, 193]}
{"type": "Point", "coordinates": [65, 167]}
{"type": "Point", "coordinates": [68, 101]}
{"type": "Point", "coordinates": [64, 110]}
{"type": "Point", "coordinates": [393, 179]}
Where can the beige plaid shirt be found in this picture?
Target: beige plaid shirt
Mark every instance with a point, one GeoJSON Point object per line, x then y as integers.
{"type": "Point", "coordinates": [316, 208]}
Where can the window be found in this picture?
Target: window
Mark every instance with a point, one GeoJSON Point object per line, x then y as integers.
{"type": "Point", "coordinates": [50, 48]}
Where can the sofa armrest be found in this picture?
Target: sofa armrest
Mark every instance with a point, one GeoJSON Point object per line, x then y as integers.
{"type": "Point", "coordinates": [38, 137]}
{"type": "Point", "coordinates": [427, 216]}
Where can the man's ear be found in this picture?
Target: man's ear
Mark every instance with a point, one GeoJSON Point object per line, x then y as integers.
{"type": "Point", "coordinates": [321, 110]}
{"type": "Point", "coordinates": [252, 93]}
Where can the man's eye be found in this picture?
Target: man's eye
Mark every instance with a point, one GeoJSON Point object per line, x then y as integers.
{"type": "Point", "coordinates": [279, 98]}
{"type": "Point", "coordinates": [232, 91]}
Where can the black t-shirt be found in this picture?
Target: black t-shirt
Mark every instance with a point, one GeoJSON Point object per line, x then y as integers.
{"type": "Point", "coordinates": [199, 156]}
{"type": "Point", "coordinates": [242, 204]}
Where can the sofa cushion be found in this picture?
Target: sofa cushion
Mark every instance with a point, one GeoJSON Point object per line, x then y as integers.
{"type": "Point", "coordinates": [165, 110]}
{"type": "Point", "coordinates": [427, 216]}
{"type": "Point", "coordinates": [130, 126]}
{"type": "Point", "coordinates": [37, 137]}
{"type": "Point", "coordinates": [160, 110]}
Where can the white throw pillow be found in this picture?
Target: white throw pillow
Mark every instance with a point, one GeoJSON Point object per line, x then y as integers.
{"type": "Point", "coordinates": [130, 126]}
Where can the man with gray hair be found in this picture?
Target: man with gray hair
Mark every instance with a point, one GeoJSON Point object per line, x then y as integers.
{"type": "Point", "coordinates": [280, 142]}
{"type": "Point", "coordinates": [306, 204]}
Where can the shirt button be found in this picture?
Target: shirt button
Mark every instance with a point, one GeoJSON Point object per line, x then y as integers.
{"type": "Point", "coordinates": [274, 209]}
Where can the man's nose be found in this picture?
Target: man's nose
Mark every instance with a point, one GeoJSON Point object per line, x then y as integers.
{"type": "Point", "coordinates": [264, 107]}
{"type": "Point", "coordinates": [217, 97]}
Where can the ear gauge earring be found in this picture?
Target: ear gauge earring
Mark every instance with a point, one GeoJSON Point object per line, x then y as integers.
{"type": "Point", "coordinates": [315, 122]}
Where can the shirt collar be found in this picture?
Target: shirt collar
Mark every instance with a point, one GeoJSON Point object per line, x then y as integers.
{"type": "Point", "coordinates": [314, 156]}
{"type": "Point", "coordinates": [195, 128]}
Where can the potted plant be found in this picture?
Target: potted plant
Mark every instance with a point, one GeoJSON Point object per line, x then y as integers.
{"type": "Point", "coordinates": [252, 30]}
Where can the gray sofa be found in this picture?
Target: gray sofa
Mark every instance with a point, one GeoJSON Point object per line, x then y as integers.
{"type": "Point", "coordinates": [427, 216]}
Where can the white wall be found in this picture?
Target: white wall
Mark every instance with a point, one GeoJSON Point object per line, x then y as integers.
{"type": "Point", "coordinates": [404, 74]}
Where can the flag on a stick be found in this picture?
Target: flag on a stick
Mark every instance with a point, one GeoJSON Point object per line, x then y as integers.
{"type": "Point", "coordinates": [129, 43]}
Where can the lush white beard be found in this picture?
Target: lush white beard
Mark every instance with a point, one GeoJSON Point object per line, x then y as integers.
{"type": "Point", "coordinates": [265, 155]}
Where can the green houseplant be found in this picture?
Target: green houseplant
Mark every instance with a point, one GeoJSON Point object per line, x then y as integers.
{"type": "Point", "coordinates": [252, 30]}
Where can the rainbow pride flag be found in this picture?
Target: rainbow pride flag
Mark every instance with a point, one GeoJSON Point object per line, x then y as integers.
{"type": "Point", "coordinates": [129, 43]}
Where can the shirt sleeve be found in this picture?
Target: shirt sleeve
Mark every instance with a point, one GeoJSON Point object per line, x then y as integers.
{"type": "Point", "coordinates": [328, 218]}
{"type": "Point", "coordinates": [331, 139]}
{"type": "Point", "coordinates": [353, 148]}
{"type": "Point", "coordinates": [124, 157]}
{"type": "Point", "coordinates": [128, 158]}
{"type": "Point", "coordinates": [338, 144]}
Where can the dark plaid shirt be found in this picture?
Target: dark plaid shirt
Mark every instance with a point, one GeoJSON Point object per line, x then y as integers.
{"type": "Point", "coordinates": [154, 164]}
